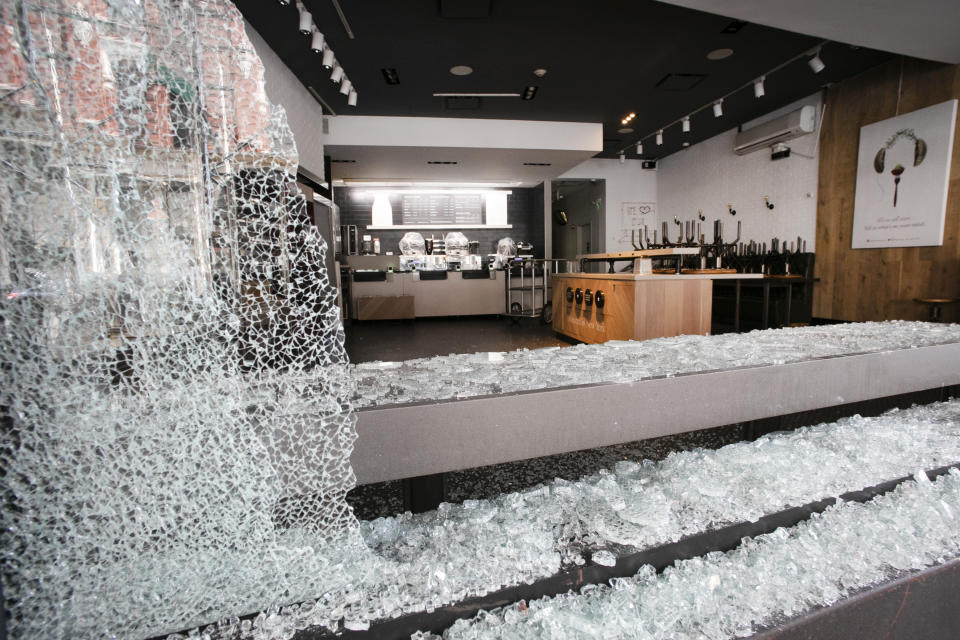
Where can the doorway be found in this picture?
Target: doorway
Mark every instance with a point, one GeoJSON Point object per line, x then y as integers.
{"type": "Point", "coordinates": [578, 207]}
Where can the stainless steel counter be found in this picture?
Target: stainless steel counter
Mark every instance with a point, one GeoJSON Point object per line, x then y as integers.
{"type": "Point", "coordinates": [406, 294]}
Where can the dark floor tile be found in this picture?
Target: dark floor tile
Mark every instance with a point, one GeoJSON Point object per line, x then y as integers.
{"type": "Point", "coordinates": [426, 337]}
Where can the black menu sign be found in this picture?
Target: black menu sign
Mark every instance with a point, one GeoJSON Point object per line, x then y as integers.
{"type": "Point", "coordinates": [442, 208]}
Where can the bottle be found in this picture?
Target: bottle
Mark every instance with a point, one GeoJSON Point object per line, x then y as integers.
{"type": "Point", "coordinates": [376, 246]}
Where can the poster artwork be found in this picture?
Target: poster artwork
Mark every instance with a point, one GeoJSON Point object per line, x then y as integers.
{"type": "Point", "coordinates": [633, 215]}
{"type": "Point", "coordinates": [903, 170]}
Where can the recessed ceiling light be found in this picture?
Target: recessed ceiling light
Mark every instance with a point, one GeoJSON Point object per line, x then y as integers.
{"type": "Point", "coordinates": [719, 54]}
{"type": "Point", "coordinates": [461, 70]}
{"type": "Point", "coordinates": [539, 72]}
{"type": "Point", "coordinates": [625, 130]}
{"type": "Point", "coordinates": [390, 75]}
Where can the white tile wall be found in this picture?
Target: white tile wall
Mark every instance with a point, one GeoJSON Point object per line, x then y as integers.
{"type": "Point", "coordinates": [709, 175]}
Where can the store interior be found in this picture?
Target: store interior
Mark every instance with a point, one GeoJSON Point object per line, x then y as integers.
{"type": "Point", "coordinates": [470, 319]}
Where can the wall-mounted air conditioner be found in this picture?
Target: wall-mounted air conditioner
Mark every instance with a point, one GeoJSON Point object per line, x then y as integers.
{"type": "Point", "coordinates": [792, 125]}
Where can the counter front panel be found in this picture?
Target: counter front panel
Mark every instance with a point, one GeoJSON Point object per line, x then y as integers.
{"type": "Point", "coordinates": [592, 308]}
{"type": "Point", "coordinates": [410, 296]}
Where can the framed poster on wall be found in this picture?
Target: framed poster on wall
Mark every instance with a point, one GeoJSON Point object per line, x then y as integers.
{"type": "Point", "coordinates": [903, 170]}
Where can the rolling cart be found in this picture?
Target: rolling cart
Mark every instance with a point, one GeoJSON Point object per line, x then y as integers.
{"type": "Point", "coordinates": [527, 287]}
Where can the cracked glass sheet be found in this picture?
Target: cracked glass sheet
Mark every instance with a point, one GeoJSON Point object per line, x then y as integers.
{"type": "Point", "coordinates": [764, 582]}
{"type": "Point", "coordinates": [175, 401]}
{"type": "Point", "coordinates": [420, 562]}
{"type": "Point", "coordinates": [477, 374]}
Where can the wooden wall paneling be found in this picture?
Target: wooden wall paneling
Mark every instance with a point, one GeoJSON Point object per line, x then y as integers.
{"type": "Point", "coordinates": [385, 307]}
{"type": "Point", "coordinates": [652, 307]}
{"type": "Point", "coordinates": [876, 284]}
{"type": "Point", "coordinates": [701, 294]}
{"type": "Point", "coordinates": [619, 307]}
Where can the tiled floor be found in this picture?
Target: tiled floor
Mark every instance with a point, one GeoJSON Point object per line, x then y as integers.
{"type": "Point", "coordinates": [425, 337]}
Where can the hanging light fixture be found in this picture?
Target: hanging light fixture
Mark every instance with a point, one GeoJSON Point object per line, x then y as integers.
{"type": "Point", "coordinates": [812, 56]}
{"type": "Point", "coordinates": [316, 42]}
{"type": "Point", "coordinates": [345, 86]}
{"type": "Point", "coordinates": [306, 22]}
{"type": "Point", "coordinates": [816, 64]}
{"type": "Point", "coordinates": [758, 90]}
{"type": "Point", "coordinates": [328, 58]}
{"type": "Point", "coordinates": [352, 98]}
{"type": "Point", "coordinates": [337, 74]}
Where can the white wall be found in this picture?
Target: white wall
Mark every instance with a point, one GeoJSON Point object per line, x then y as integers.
{"type": "Point", "coordinates": [397, 131]}
{"type": "Point", "coordinates": [626, 182]}
{"type": "Point", "coordinates": [709, 175]}
{"type": "Point", "coordinates": [304, 114]}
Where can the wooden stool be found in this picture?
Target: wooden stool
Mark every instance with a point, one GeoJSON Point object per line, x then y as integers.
{"type": "Point", "coordinates": [935, 304]}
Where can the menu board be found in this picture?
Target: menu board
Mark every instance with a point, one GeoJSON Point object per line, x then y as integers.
{"type": "Point", "coordinates": [442, 208]}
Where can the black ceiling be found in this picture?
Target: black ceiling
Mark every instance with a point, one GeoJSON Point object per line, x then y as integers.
{"type": "Point", "coordinates": [604, 59]}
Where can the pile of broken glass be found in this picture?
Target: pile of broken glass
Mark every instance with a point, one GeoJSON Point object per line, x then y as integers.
{"type": "Point", "coordinates": [458, 376]}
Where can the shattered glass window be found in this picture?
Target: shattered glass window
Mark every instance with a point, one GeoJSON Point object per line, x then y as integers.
{"type": "Point", "coordinates": [176, 415]}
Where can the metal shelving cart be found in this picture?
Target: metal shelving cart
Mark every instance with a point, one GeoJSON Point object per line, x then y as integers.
{"type": "Point", "coordinates": [527, 287]}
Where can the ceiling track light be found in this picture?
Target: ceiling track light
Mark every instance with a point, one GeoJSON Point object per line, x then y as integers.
{"type": "Point", "coordinates": [352, 98]}
{"type": "Point", "coordinates": [316, 42]}
{"type": "Point", "coordinates": [337, 74]}
{"type": "Point", "coordinates": [758, 89]}
{"type": "Point", "coordinates": [816, 64]}
{"type": "Point", "coordinates": [283, 3]}
{"type": "Point", "coordinates": [623, 157]}
{"type": "Point", "coordinates": [328, 58]}
{"type": "Point", "coordinates": [345, 86]}
{"type": "Point", "coordinates": [306, 22]}
{"type": "Point", "coordinates": [639, 148]}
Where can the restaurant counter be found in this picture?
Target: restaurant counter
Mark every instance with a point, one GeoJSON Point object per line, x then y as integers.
{"type": "Point", "coordinates": [596, 307]}
{"type": "Point", "coordinates": [387, 295]}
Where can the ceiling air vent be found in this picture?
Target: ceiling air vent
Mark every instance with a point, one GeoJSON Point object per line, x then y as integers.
{"type": "Point", "coordinates": [442, 162]}
{"type": "Point", "coordinates": [461, 104]}
{"type": "Point", "coordinates": [343, 161]}
{"type": "Point", "coordinates": [537, 164]}
{"type": "Point", "coordinates": [390, 75]}
{"type": "Point", "coordinates": [680, 81]}
{"type": "Point", "coordinates": [734, 26]}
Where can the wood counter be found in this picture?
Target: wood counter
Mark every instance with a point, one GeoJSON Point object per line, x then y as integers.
{"type": "Point", "coordinates": [634, 307]}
